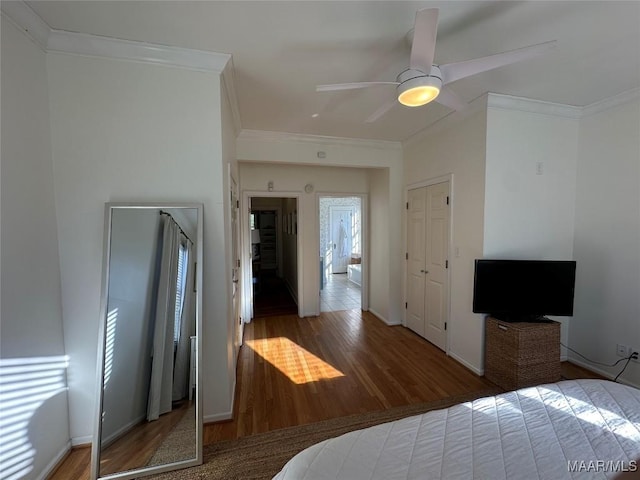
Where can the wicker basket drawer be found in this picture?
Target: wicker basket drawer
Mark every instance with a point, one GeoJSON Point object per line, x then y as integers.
{"type": "Point", "coordinates": [521, 354]}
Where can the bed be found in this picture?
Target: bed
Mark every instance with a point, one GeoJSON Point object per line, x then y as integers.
{"type": "Point", "coordinates": [569, 429]}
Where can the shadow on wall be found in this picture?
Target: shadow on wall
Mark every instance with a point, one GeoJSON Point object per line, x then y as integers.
{"type": "Point", "coordinates": [25, 385]}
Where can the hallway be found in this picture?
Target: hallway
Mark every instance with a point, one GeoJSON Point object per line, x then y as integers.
{"type": "Point", "coordinates": [273, 298]}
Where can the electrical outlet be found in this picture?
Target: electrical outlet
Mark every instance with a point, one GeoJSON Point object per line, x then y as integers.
{"type": "Point", "coordinates": [625, 351]}
{"type": "Point", "coordinates": [622, 350]}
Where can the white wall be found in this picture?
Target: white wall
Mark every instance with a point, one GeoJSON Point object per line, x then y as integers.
{"type": "Point", "coordinates": [292, 178]}
{"type": "Point", "coordinates": [228, 171]}
{"type": "Point", "coordinates": [303, 150]}
{"type": "Point", "coordinates": [31, 314]}
{"type": "Point", "coordinates": [607, 238]}
{"type": "Point", "coordinates": [126, 131]}
{"type": "Point", "coordinates": [528, 215]}
{"type": "Point", "coordinates": [460, 151]}
{"type": "Point", "coordinates": [379, 253]}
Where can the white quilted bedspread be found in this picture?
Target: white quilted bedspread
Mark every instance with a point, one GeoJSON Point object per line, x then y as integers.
{"type": "Point", "coordinates": [571, 429]}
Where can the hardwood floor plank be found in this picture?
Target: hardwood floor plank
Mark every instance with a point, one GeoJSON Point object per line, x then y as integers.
{"type": "Point", "coordinates": [336, 364]}
{"type": "Point", "coordinates": [339, 363]}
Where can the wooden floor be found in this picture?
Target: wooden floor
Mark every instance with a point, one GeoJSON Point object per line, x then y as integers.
{"type": "Point", "coordinates": [144, 439]}
{"type": "Point", "coordinates": [294, 371]}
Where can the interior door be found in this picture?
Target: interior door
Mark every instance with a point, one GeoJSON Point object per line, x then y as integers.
{"type": "Point", "coordinates": [416, 259]}
{"type": "Point", "coordinates": [436, 256]}
{"type": "Point", "coordinates": [341, 224]}
{"type": "Point", "coordinates": [427, 262]}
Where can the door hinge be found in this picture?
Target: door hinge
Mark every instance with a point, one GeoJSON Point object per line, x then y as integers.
{"type": "Point", "coordinates": [407, 205]}
{"type": "Point", "coordinates": [445, 325]}
{"type": "Point", "coordinates": [237, 203]}
{"type": "Point", "coordinates": [406, 256]}
{"type": "Point", "coordinates": [406, 305]}
{"type": "Point", "coordinates": [447, 199]}
{"type": "Point", "coordinates": [238, 263]}
{"type": "Point", "coordinates": [446, 264]}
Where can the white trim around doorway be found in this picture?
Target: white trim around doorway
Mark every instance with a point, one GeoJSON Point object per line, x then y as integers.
{"type": "Point", "coordinates": [245, 249]}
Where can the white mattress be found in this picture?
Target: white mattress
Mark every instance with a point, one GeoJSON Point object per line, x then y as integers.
{"type": "Point", "coordinates": [552, 431]}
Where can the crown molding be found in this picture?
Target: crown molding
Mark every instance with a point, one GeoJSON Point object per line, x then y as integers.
{"type": "Point", "coordinates": [61, 41]}
{"type": "Point", "coordinates": [92, 45]}
{"type": "Point", "coordinates": [611, 102]}
{"type": "Point", "coordinates": [284, 137]}
{"type": "Point", "coordinates": [509, 102]}
{"type": "Point", "coordinates": [21, 15]}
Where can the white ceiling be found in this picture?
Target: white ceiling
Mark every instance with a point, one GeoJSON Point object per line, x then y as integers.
{"type": "Point", "coordinates": [282, 50]}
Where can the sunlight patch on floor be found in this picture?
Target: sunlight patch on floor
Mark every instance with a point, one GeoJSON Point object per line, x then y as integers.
{"type": "Point", "coordinates": [298, 364]}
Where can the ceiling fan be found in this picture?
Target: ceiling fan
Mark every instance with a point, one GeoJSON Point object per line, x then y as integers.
{"type": "Point", "coordinates": [424, 82]}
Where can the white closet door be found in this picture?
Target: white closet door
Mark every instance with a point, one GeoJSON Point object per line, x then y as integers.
{"type": "Point", "coordinates": [427, 262]}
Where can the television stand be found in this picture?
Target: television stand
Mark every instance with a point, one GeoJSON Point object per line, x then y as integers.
{"type": "Point", "coordinates": [521, 354]}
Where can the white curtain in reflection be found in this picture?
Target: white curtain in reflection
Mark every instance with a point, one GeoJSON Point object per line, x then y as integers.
{"type": "Point", "coordinates": [187, 328]}
{"type": "Point", "coordinates": [161, 385]}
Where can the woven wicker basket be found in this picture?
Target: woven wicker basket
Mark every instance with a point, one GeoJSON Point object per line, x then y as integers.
{"type": "Point", "coordinates": [521, 354]}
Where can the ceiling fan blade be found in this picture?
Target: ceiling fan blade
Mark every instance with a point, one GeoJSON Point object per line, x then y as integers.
{"type": "Point", "coordinates": [384, 108]}
{"type": "Point", "coordinates": [424, 39]}
{"type": "Point", "coordinates": [350, 86]}
{"type": "Point", "coordinates": [455, 71]}
{"type": "Point", "coordinates": [448, 98]}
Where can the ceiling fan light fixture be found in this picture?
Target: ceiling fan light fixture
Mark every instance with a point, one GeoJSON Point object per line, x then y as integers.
{"type": "Point", "coordinates": [419, 91]}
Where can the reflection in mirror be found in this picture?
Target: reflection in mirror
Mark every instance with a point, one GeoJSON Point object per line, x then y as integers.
{"type": "Point", "coordinates": [149, 420]}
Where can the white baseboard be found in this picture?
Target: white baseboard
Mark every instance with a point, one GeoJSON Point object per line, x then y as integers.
{"type": "Point", "coordinates": [122, 430]}
{"type": "Point", "coordinates": [218, 417]}
{"type": "Point", "coordinates": [597, 370]}
{"type": "Point", "coordinates": [473, 368]}
{"type": "Point", "coordinates": [85, 440]}
{"type": "Point", "coordinates": [381, 317]}
{"type": "Point", "coordinates": [55, 461]}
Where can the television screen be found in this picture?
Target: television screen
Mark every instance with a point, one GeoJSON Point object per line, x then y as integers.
{"type": "Point", "coordinates": [517, 289]}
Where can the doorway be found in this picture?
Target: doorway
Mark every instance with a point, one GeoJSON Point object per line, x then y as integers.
{"type": "Point", "coordinates": [274, 262]}
{"type": "Point", "coordinates": [341, 247]}
{"type": "Point", "coordinates": [428, 220]}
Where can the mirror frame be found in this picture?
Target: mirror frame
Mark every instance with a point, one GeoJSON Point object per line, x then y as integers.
{"type": "Point", "coordinates": [106, 257]}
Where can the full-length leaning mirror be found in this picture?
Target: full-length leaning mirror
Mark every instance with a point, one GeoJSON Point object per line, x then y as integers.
{"type": "Point", "coordinates": [149, 418]}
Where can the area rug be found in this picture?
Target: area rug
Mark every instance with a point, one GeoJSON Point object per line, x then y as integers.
{"type": "Point", "coordinates": [180, 443]}
{"type": "Point", "coordinates": [262, 456]}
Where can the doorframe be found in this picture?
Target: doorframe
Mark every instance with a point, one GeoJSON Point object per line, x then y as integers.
{"type": "Point", "coordinates": [238, 327]}
{"type": "Point", "coordinates": [245, 251]}
{"type": "Point", "coordinates": [450, 247]}
{"type": "Point", "coordinates": [364, 214]}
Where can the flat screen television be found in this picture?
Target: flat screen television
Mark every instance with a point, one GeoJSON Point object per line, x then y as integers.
{"type": "Point", "coordinates": [524, 290]}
